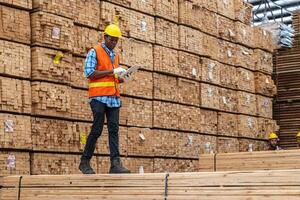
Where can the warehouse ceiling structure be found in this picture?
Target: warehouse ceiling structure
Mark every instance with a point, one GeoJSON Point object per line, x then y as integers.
{"type": "Point", "coordinates": [279, 10]}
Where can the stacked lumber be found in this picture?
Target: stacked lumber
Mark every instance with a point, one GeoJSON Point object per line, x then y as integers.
{"type": "Point", "coordinates": [245, 161]}
{"type": "Point", "coordinates": [204, 185]}
{"type": "Point", "coordinates": [286, 63]}
{"type": "Point", "coordinates": [12, 162]}
{"type": "Point", "coordinates": [204, 83]}
{"type": "Point", "coordinates": [15, 59]}
{"type": "Point", "coordinates": [15, 25]}
{"type": "Point", "coordinates": [15, 131]}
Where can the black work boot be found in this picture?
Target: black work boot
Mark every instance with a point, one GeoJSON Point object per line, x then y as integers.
{"type": "Point", "coordinates": [85, 167]}
{"type": "Point", "coordinates": [117, 168]}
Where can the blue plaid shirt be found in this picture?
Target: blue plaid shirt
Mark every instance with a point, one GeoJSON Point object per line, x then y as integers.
{"type": "Point", "coordinates": [90, 67]}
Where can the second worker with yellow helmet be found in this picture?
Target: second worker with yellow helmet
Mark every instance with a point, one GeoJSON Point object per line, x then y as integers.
{"type": "Point", "coordinates": [274, 142]}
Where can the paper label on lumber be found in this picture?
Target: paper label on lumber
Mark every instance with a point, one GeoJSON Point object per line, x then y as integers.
{"type": "Point", "coordinates": [8, 126]}
{"type": "Point", "coordinates": [11, 161]}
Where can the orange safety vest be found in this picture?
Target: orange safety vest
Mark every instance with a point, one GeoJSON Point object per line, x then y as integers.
{"type": "Point", "coordinates": [108, 85]}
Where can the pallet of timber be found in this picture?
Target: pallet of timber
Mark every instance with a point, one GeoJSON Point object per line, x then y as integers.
{"type": "Point", "coordinates": [211, 71]}
{"type": "Point", "coordinates": [264, 106]}
{"type": "Point", "coordinates": [145, 82]}
{"type": "Point", "coordinates": [144, 6]}
{"type": "Point", "coordinates": [80, 105]}
{"type": "Point", "coordinates": [208, 121]}
{"type": "Point", "coordinates": [263, 61]}
{"type": "Point", "coordinates": [188, 118]}
{"type": "Point", "coordinates": [15, 59]}
{"type": "Point", "coordinates": [227, 124]}
{"type": "Point", "coordinates": [265, 127]}
{"type": "Point", "coordinates": [142, 51]}
{"type": "Point", "coordinates": [262, 160]}
{"type": "Point", "coordinates": [88, 13]}
{"type": "Point", "coordinates": [84, 39]}
{"type": "Point", "coordinates": [166, 60]}
{"type": "Point", "coordinates": [264, 84]}
{"type": "Point", "coordinates": [246, 103]}
{"type": "Point", "coordinates": [141, 141]}
{"type": "Point", "coordinates": [255, 145]}
{"type": "Point", "coordinates": [57, 164]}
{"type": "Point", "coordinates": [53, 135]}
{"type": "Point", "coordinates": [188, 91]}
{"type": "Point", "coordinates": [51, 99]}
{"type": "Point", "coordinates": [248, 126]}
{"type": "Point", "coordinates": [15, 131]}
{"type": "Point", "coordinates": [226, 8]}
{"type": "Point", "coordinates": [227, 145]}
{"type": "Point", "coordinates": [133, 186]}
{"type": "Point", "coordinates": [208, 144]}
{"type": "Point", "coordinates": [228, 100]}
{"type": "Point", "coordinates": [81, 130]}
{"type": "Point", "coordinates": [167, 33]}
{"type": "Point", "coordinates": [165, 115]}
{"type": "Point", "coordinates": [136, 112]}
{"type": "Point", "coordinates": [243, 11]}
{"type": "Point", "coordinates": [189, 65]}
{"type": "Point", "coordinates": [192, 13]}
{"type": "Point", "coordinates": [244, 34]}
{"type": "Point", "coordinates": [57, 7]}
{"type": "Point", "coordinates": [52, 31]}
{"type": "Point", "coordinates": [15, 95]}
{"type": "Point", "coordinates": [206, 162]}
{"type": "Point", "coordinates": [210, 96]}
{"type": "Point", "coordinates": [13, 163]}
{"type": "Point", "coordinates": [177, 144]}
{"type": "Point", "coordinates": [228, 77]}
{"type": "Point", "coordinates": [244, 57]}
{"type": "Point", "coordinates": [227, 52]}
{"type": "Point", "coordinates": [175, 165]}
{"type": "Point", "coordinates": [139, 165]}
{"type": "Point", "coordinates": [133, 24]}
{"type": "Point", "coordinates": [225, 27]}
{"type": "Point", "coordinates": [15, 25]}
{"type": "Point", "coordinates": [263, 39]}
{"type": "Point", "coordinates": [194, 41]}
{"type": "Point", "coordinates": [167, 9]}
{"type": "Point", "coordinates": [26, 4]}
{"type": "Point", "coordinates": [246, 80]}
{"type": "Point", "coordinates": [43, 66]}
{"type": "Point", "coordinates": [204, 185]}
{"type": "Point", "coordinates": [77, 74]}
{"type": "Point", "coordinates": [165, 87]}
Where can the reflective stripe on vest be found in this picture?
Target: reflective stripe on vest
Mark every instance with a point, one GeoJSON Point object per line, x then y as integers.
{"type": "Point", "coordinates": [102, 84]}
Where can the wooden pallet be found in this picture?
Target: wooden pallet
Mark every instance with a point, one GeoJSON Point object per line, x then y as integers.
{"type": "Point", "coordinates": [260, 185]}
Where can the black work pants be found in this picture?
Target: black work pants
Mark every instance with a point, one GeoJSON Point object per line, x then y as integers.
{"type": "Point", "coordinates": [100, 110]}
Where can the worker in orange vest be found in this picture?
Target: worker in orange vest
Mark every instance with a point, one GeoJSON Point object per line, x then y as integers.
{"type": "Point", "coordinates": [298, 139]}
{"type": "Point", "coordinates": [103, 72]}
{"type": "Point", "coordinates": [273, 142]}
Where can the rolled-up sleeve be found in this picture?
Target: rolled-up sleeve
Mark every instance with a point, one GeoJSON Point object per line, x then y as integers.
{"type": "Point", "coordinates": [90, 63]}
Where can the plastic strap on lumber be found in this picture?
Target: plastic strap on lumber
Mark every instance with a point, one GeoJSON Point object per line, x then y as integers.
{"type": "Point", "coordinates": [19, 191]}
{"type": "Point", "coordinates": [166, 186]}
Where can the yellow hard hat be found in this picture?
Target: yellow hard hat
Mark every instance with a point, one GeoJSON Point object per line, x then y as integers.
{"type": "Point", "coordinates": [113, 30]}
{"type": "Point", "coordinates": [273, 136]}
{"type": "Point", "coordinates": [298, 135]}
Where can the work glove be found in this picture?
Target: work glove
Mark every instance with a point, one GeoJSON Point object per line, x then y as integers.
{"type": "Point", "coordinates": [119, 71]}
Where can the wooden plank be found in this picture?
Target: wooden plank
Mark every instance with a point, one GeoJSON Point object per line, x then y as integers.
{"type": "Point", "coordinates": [167, 33]}
{"type": "Point", "coordinates": [14, 163]}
